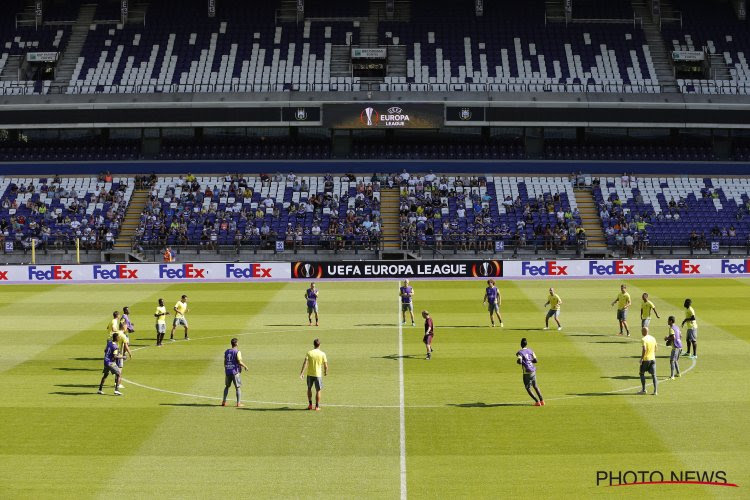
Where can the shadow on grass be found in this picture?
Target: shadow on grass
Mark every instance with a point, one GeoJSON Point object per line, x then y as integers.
{"type": "Point", "coordinates": [480, 404]}
{"type": "Point", "coordinates": [588, 335]}
{"type": "Point", "coordinates": [281, 408]}
{"type": "Point", "coordinates": [395, 357]}
{"type": "Point", "coordinates": [524, 329]}
{"type": "Point", "coordinates": [464, 326]}
{"type": "Point", "coordinates": [192, 405]}
{"type": "Point", "coordinates": [610, 342]}
{"type": "Point", "coordinates": [295, 324]}
{"type": "Point", "coordinates": [79, 386]}
{"type": "Point", "coordinates": [63, 393]}
{"type": "Point", "coordinates": [87, 359]}
{"type": "Point", "coordinates": [377, 324]}
{"type": "Point", "coordinates": [586, 394]}
{"type": "Point", "coordinates": [66, 369]}
{"type": "Point", "coordinates": [624, 377]}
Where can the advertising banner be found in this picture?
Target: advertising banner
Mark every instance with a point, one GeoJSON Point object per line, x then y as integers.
{"type": "Point", "coordinates": [145, 273]}
{"type": "Point", "coordinates": [371, 115]}
{"type": "Point", "coordinates": [369, 53]}
{"type": "Point", "coordinates": [624, 269]}
{"type": "Point", "coordinates": [368, 269]}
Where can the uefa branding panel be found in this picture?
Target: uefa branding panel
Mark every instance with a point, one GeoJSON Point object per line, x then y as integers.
{"type": "Point", "coordinates": [145, 273]}
{"type": "Point", "coordinates": [372, 115]}
{"type": "Point", "coordinates": [398, 269]}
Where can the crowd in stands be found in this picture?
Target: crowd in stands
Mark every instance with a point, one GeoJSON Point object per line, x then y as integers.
{"type": "Point", "coordinates": [55, 212]}
{"type": "Point", "coordinates": [331, 212]}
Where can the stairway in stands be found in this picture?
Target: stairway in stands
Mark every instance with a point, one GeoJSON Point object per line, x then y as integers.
{"type": "Point", "coordinates": [132, 220]}
{"type": "Point", "coordinates": [389, 205]}
{"type": "Point", "coordinates": [590, 219]}
{"type": "Point", "coordinates": [67, 64]}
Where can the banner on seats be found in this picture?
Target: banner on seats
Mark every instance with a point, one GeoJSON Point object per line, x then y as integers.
{"type": "Point", "coordinates": [146, 273]}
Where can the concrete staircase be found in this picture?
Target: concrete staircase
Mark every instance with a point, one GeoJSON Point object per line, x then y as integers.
{"type": "Point", "coordinates": [719, 68]}
{"type": "Point", "coordinates": [389, 206]}
{"type": "Point", "coordinates": [341, 60]}
{"type": "Point", "coordinates": [132, 220]}
{"type": "Point", "coordinates": [555, 10]}
{"type": "Point", "coordinates": [660, 54]}
{"type": "Point", "coordinates": [66, 65]}
{"type": "Point", "coordinates": [401, 11]}
{"type": "Point", "coordinates": [10, 70]}
{"type": "Point", "coordinates": [288, 12]}
{"type": "Point", "coordinates": [397, 60]}
{"type": "Point", "coordinates": [368, 28]}
{"type": "Point", "coordinates": [590, 219]}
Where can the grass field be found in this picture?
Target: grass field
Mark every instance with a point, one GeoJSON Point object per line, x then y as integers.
{"type": "Point", "coordinates": [468, 429]}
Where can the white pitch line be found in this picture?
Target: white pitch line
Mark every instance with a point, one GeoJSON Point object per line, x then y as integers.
{"type": "Point", "coordinates": [401, 409]}
{"type": "Point", "coordinates": [401, 406]}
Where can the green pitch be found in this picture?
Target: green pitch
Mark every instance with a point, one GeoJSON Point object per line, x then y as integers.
{"type": "Point", "coordinates": [469, 429]}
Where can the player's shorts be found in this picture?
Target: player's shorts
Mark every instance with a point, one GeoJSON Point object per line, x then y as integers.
{"type": "Point", "coordinates": [648, 366]}
{"type": "Point", "coordinates": [315, 381]}
{"type": "Point", "coordinates": [622, 314]}
{"type": "Point", "coordinates": [427, 339]}
{"type": "Point", "coordinates": [674, 356]}
{"type": "Point", "coordinates": [553, 313]}
{"type": "Point", "coordinates": [233, 379]}
{"type": "Point", "coordinates": [645, 322]}
{"type": "Point", "coordinates": [180, 322]}
{"type": "Point", "coordinates": [529, 379]}
{"type": "Point", "coordinates": [111, 368]}
{"type": "Point", "coordinates": [692, 335]}
{"type": "Point", "coordinates": [312, 309]}
{"type": "Point", "coordinates": [161, 328]}
{"type": "Point", "coordinates": [407, 306]}
{"type": "Point", "coordinates": [493, 307]}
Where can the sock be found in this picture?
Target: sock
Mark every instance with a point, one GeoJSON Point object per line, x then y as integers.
{"type": "Point", "coordinates": [538, 393]}
{"type": "Point", "coordinates": [531, 394]}
{"type": "Point", "coordinates": [643, 382]}
{"type": "Point", "coordinates": [653, 377]}
{"type": "Point", "coordinates": [226, 392]}
{"type": "Point", "coordinates": [695, 348]}
{"type": "Point", "coordinates": [239, 395]}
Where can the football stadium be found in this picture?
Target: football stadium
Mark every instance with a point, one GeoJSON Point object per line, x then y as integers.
{"type": "Point", "coordinates": [374, 248]}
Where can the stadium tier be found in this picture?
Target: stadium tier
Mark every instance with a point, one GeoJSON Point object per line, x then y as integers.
{"type": "Point", "coordinates": [327, 211]}
{"type": "Point", "coordinates": [56, 211]}
{"type": "Point", "coordinates": [679, 211]}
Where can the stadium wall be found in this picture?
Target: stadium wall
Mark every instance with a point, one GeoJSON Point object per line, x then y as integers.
{"type": "Point", "coordinates": [526, 167]}
{"type": "Point", "coordinates": [373, 270]}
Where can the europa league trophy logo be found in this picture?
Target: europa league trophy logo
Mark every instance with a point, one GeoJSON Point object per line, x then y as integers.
{"type": "Point", "coordinates": [485, 269]}
{"type": "Point", "coordinates": [368, 113]}
{"type": "Point", "coordinates": [369, 117]}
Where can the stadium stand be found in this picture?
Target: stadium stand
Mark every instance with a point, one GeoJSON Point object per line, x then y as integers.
{"type": "Point", "coordinates": [246, 148]}
{"type": "Point", "coordinates": [56, 211]}
{"type": "Point", "coordinates": [70, 150]}
{"type": "Point", "coordinates": [675, 211]}
{"type": "Point", "coordinates": [713, 27]}
{"type": "Point", "coordinates": [620, 150]}
{"type": "Point", "coordinates": [470, 213]}
{"type": "Point", "coordinates": [458, 149]}
{"type": "Point", "coordinates": [320, 211]}
{"type": "Point", "coordinates": [511, 48]}
{"type": "Point", "coordinates": [242, 50]}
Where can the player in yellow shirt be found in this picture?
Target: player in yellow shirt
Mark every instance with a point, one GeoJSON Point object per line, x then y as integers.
{"type": "Point", "coordinates": [648, 359]}
{"type": "Point", "coordinates": [646, 308]}
{"type": "Point", "coordinates": [123, 347]}
{"type": "Point", "coordinates": [114, 325]}
{"type": "Point", "coordinates": [317, 367]}
{"type": "Point", "coordinates": [554, 302]}
{"type": "Point", "coordinates": [623, 303]}
{"type": "Point", "coordinates": [692, 329]}
{"type": "Point", "coordinates": [180, 310]}
{"type": "Point", "coordinates": [161, 321]}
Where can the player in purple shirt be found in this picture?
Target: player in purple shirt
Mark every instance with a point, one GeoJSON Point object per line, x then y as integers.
{"type": "Point", "coordinates": [492, 298]}
{"type": "Point", "coordinates": [125, 322]}
{"type": "Point", "coordinates": [406, 293]}
{"type": "Point", "coordinates": [111, 356]}
{"type": "Point", "coordinates": [527, 359]}
{"type": "Point", "coordinates": [233, 366]}
{"type": "Point", "coordinates": [311, 295]}
{"type": "Point", "coordinates": [675, 340]}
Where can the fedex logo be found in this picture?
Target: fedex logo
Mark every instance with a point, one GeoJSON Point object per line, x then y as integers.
{"type": "Point", "coordinates": [120, 272]}
{"type": "Point", "coordinates": [683, 266]}
{"type": "Point", "coordinates": [184, 271]}
{"type": "Point", "coordinates": [251, 271]}
{"type": "Point", "coordinates": [52, 273]}
{"type": "Point", "coordinates": [549, 268]}
{"type": "Point", "coordinates": [728, 268]}
{"type": "Point", "coordinates": [616, 267]}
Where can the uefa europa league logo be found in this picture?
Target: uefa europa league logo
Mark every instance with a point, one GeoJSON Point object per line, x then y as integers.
{"type": "Point", "coordinates": [369, 117]}
{"type": "Point", "coordinates": [308, 270]}
{"type": "Point", "coordinates": [485, 269]}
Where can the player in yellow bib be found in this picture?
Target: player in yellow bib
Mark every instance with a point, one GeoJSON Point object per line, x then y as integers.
{"type": "Point", "coordinates": [180, 309]}
{"type": "Point", "coordinates": [623, 303]}
{"type": "Point", "coordinates": [648, 360]}
{"type": "Point", "coordinates": [160, 314]}
{"type": "Point", "coordinates": [317, 367]}
{"type": "Point", "coordinates": [114, 325]}
{"type": "Point", "coordinates": [646, 308]}
{"type": "Point", "coordinates": [554, 302]}
{"type": "Point", "coordinates": [692, 329]}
